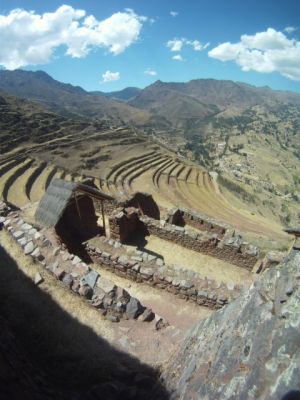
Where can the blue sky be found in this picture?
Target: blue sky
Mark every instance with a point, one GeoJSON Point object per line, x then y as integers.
{"type": "Point", "coordinates": [257, 42]}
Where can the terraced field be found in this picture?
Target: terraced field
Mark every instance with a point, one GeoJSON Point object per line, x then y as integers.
{"type": "Point", "coordinates": [121, 162]}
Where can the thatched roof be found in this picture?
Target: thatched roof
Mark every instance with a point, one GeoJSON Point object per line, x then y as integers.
{"type": "Point", "coordinates": [57, 196]}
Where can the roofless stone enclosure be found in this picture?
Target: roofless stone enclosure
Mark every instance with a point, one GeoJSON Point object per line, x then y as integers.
{"type": "Point", "coordinates": [97, 227]}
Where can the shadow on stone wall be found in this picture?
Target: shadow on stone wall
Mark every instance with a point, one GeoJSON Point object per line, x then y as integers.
{"type": "Point", "coordinates": [47, 354]}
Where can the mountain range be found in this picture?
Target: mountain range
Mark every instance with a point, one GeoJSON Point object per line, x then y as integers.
{"type": "Point", "coordinates": [192, 107]}
{"type": "Point", "coordinates": [245, 133]}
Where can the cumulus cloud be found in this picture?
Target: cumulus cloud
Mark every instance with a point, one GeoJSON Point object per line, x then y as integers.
{"type": "Point", "coordinates": [290, 29]}
{"type": "Point", "coordinates": [150, 72]}
{"type": "Point", "coordinates": [173, 13]}
{"type": "Point", "coordinates": [177, 44]}
{"type": "Point", "coordinates": [109, 76]}
{"type": "Point", "coordinates": [28, 38]}
{"type": "Point", "coordinates": [178, 57]}
{"type": "Point", "coordinates": [268, 51]}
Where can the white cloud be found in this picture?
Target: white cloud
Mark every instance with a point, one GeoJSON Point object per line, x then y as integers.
{"type": "Point", "coordinates": [173, 13]}
{"type": "Point", "coordinates": [198, 46]}
{"type": "Point", "coordinates": [290, 29]}
{"type": "Point", "coordinates": [268, 51]}
{"type": "Point", "coordinates": [175, 44]}
{"type": "Point", "coordinates": [109, 76]}
{"type": "Point", "coordinates": [178, 57]}
{"type": "Point", "coordinates": [28, 38]}
{"type": "Point", "coordinates": [150, 72]}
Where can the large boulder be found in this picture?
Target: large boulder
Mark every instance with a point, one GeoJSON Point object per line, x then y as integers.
{"type": "Point", "coordinates": [134, 308]}
{"type": "Point", "coordinates": [249, 349]}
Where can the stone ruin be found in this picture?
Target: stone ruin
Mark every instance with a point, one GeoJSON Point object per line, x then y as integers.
{"type": "Point", "coordinates": [112, 301]}
{"type": "Point", "coordinates": [72, 211]}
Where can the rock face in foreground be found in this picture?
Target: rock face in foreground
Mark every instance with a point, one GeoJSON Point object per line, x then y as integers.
{"type": "Point", "coordinates": [248, 350]}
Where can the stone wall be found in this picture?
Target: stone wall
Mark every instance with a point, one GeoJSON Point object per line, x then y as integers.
{"type": "Point", "coordinates": [123, 223]}
{"type": "Point", "coordinates": [182, 216]}
{"type": "Point", "coordinates": [143, 202]}
{"type": "Point", "coordinates": [148, 269]}
{"type": "Point", "coordinates": [231, 248]}
{"type": "Point", "coordinates": [110, 300]}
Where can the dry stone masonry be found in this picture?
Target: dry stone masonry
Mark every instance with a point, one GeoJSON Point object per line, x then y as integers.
{"type": "Point", "coordinates": [230, 248]}
{"type": "Point", "coordinates": [111, 300]}
{"type": "Point", "coordinates": [148, 269]}
{"type": "Point", "coordinates": [182, 216]}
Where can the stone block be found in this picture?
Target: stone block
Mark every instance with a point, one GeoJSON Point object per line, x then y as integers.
{"type": "Point", "coordinates": [86, 291]}
{"type": "Point", "coordinates": [36, 254]}
{"type": "Point", "coordinates": [56, 251]}
{"type": "Point", "coordinates": [160, 262]}
{"type": "Point", "coordinates": [112, 318]}
{"type": "Point", "coordinates": [147, 316]}
{"type": "Point", "coordinates": [105, 254]}
{"type": "Point", "coordinates": [185, 284]}
{"type": "Point", "coordinates": [18, 235]}
{"type": "Point", "coordinates": [32, 231]}
{"type": "Point", "coordinates": [76, 260]}
{"type": "Point", "coordinates": [134, 308]}
{"type": "Point", "coordinates": [123, 260]}
{"type": "Point", "coordinates": [67, 280]}
{"type": "Point", "coordinates": [26, 227]}
{"type": "Point", "coordinates": [76, 286]}
{"type": "Point", "coordinates": [65, 256]}
{"type": "Point", "coordinates": [161, 322]}
{"type": "Point", "coordinates": [52, 267]}
{"type": "Point", "coordinates": [59, 273]}
{"type": "Point", "coordinates": [137, 258]}
{"type": "Point", "coordinates": [106, 285]}
{"type": "Point", "coordinates": [151, 257]}
{"type": "Point", "coordinates": [136, 267]}
{"type": "Point", "coordinates": [38, 279]}
{"type": "Point", "coordinates": [6, 223]}
{"type": "Point", "coordinates": [146, 272]}
{"type": "Point", "coordinates": [90, 278]}
{"type": "Point", "coordinates": [202, 293]}
{"type": "Point", "coordinates": [29, 248]}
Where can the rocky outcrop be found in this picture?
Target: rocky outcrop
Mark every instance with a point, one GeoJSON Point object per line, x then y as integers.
{"type": "Point", "coordinates": [249, 349]}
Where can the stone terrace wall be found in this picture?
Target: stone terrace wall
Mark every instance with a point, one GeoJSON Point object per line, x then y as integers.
{"type": "Point", "coordinates": [150, 270]}
{"type": "Point", "coordinates": [196, 220]}
{"type": "Point", "coordinates": [231, 248]}
{"type": "Point", "coordinates": [110, 300]}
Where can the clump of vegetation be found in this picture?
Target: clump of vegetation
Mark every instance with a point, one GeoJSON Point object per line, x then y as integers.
{"type": "Point", "coordinates": [236, 189]}
{"type": "Point", "coordinates": [200, 150]}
